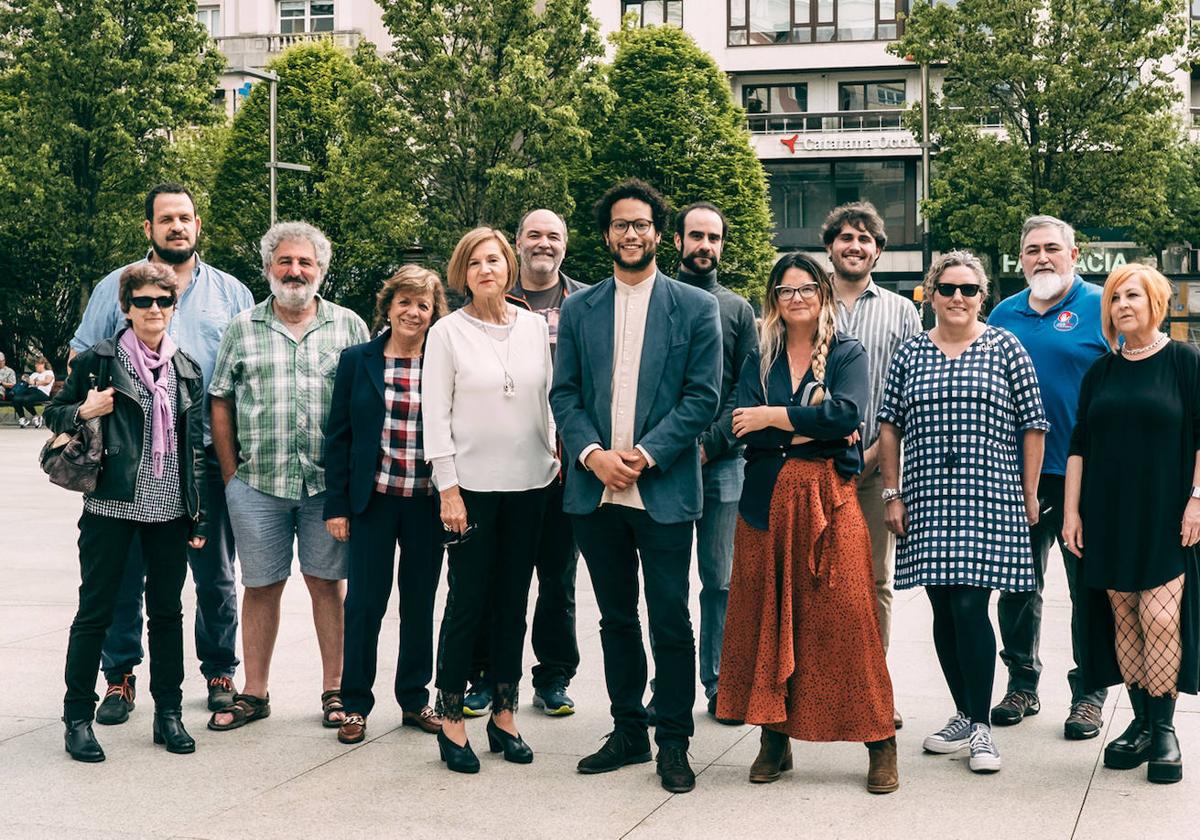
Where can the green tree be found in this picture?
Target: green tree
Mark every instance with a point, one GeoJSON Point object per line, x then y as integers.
{"type": "Point", "coordinates": [493, 90]}
{"type": "Point", "coordinates": [90, 94]}
{"type": "Point", "coordinates": [1083, 92]}
{"type": "Point", "coordinates": [673, 123]}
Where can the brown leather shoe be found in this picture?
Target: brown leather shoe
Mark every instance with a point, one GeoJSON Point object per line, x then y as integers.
{"type": "Point", "coordinates": [774, 756]}
{"type": "Point", "coordinates": [353, 729]}
{"type": "Point", "coordinates": [882, 776]}
{"type": "Point", "coordinates": [427, 720]}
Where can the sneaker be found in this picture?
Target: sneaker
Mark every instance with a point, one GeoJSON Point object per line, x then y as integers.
{"type": "Point", "coordinates": [118, 701]}
{"type": "Point", "coordinates": [477, 699]}
{"type": "Point", "coordinates": [985, 758]}
{"type": "Point", "coordinates": [37, 421]}
{"type": "Point", "coordinates": [220, 693]}
{"type": "Point", "coordinates": [952, 737]}
{"type": "Point", "coordinates": [553, 700]}
{"type": "Point", "coordinates": [23, 422]}
{"type": "Point", "coordinates": [673, 768]}
{"type": "Point", "coordinates": [1084, 722]}
{"type": "Point", "coordinates": [1015, 706]}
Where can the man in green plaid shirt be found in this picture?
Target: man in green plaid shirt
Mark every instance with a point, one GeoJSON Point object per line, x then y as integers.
{"type": "Point", "coordinates": [271, 392]}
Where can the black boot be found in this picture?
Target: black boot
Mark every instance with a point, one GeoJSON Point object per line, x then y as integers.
{"type": "Point", "coordinates": [168, 729]}
{"type": "Point", "coordinates": [1132, 748]}
{"type": "Point", "coordinates": [1166, 761]}
{"type": "Point", "coordinates": [81, 741]}
{"type": "Point", "coordinates": [459, 759]}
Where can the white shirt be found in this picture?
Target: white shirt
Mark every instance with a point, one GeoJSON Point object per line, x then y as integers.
{"type": "Point", "coordinates": [475, 435]}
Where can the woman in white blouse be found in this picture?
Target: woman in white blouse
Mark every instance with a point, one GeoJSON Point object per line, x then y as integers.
{"type": "Point", "coordinates": [490, 438]}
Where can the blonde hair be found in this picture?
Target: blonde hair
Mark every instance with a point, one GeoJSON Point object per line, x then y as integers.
{"type": "Point", "coordinates": [773, 335]}
{"type": "Point", "coordinates": [1158, 292]}
{"type": "Point", "coordinates": [410, 278]}
{"type": "Point", "coordinates": [456, 270]}
{"type": "Point", "coordinates": [952, 259]}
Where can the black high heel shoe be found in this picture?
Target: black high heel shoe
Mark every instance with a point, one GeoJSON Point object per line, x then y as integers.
{"type": "Point", "coordinates": [459, 759]}
{"type": "Point", "coordinates": [81, 741]}
{"type": "Point", "coordinates": [514, 746]}
{"type": "Point", "coordinates": [168, 730]}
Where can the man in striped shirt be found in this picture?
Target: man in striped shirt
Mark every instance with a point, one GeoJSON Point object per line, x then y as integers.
{"type": "Point", "coordinates": [854, 236]}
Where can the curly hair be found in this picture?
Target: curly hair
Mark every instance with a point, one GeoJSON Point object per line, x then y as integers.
{"type": "Point", "coordinates": [413, 279]}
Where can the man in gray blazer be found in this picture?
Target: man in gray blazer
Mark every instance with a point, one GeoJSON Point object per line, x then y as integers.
{"type": "Point", "coordinates": [637, 379]}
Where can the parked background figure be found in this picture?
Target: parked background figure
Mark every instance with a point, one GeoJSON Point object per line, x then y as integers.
{"type": "Point", "coordinates": [964, 399]}
{"type": "Point", "coordinates": [379, 493]}
{"type": "Point", "coordinates": [490, 439]}
{"type": "Point", "coordinates": [8, 379]}
{"type": "Point", "coordinates": [271, 392]}
{"type": "Point", "coordinates": [1057, 320]}
{"type": "Point", "coordinates": [38, 385]}
{"type": "Point", "coordinates": [149, 396]}
{"type": "Point", "coordinates": [1133, 516]}
{"type": "Point", "coordinates": [208, 298]}
{"type": "Point", "coordinates": [803, 656]}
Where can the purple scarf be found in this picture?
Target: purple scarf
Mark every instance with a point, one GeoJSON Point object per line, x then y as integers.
{"type": "Point", "coordinates": [151, 369]}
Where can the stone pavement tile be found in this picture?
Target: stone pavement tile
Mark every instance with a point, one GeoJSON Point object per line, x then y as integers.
{"type": "Point", "coordinates": [34, 626]}
{"type": "Point", "coordinates": [30, 831]}
{"type": "Point", "coordinates": [380, 790]}
{"type": "Point", "coordinates": [14, 726]}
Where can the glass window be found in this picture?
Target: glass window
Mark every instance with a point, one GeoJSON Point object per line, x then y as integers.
{"type": "Point", "coordinates": [291, 16]}
{"type": "Point", "coordinates": [675, 12]}
{"type": "Point", "coordinates": [210, 18]}
{"type": "Point", "coordinates": [652, 12]}
{"type": "Point", "coordinates": [757, 99]}
{"type": "Point", "coordinates": [770, 21]}
{"type": "Point", "coordinates": [737, 12]}
{"type": "Point", "coordinates": [657, 12]}
{"type": "Point", "coordinates": [802, 194]}
{"type": "Point", "coordinates": [321, 15]}
{"type": "Point", "coordinates": [791, 99]}
{"type": "Point", "coordinates": [296, 16]}
{"type": "Point", "coordinates": [805, 21]}
{"type": "Point", "coordinates": [855, 20]}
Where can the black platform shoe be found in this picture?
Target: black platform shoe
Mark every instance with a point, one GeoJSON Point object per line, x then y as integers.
{"type": "Point", "coordinates": [1132, 748]}
{"type": "Point", "coordinates": [168, 730]}
{"type": "Point", "coordinates": [459, 759]}
{"type": "Point", "coordinates": [81, 741]}
{"type": "Point", "coordinates": [514, 746]}
{"type": "Point", "coordinates": [1166, 761]}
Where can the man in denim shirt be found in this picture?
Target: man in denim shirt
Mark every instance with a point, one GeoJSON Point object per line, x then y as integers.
{"type": "Point", "coordinates": [208, 300]}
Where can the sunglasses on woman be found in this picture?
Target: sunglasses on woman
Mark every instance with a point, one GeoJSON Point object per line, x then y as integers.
{"type": "Point", "coordinates": [146, 301]}
{"type": "Point", "coordinates": [947, 290]}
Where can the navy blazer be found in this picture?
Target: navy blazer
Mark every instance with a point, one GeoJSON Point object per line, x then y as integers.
{"type": "Point", "coordinates": [355, 428]}
{"type": "Point", "coordinates": [678, 395]}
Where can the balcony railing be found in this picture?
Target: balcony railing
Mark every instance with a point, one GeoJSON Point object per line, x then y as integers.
{"type": "Point", "coordinates": [273, 42]}
{"type": "Point", "coordinates": [889, 120]}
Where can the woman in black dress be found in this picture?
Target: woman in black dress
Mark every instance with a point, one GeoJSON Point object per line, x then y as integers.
{"type": "Point", "coordinates": [1132, 498]}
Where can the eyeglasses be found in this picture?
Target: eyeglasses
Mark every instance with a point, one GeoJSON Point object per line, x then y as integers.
{"type": "Point", "coordinates": [947, 290]}
{"type": "Point", "coordinates": [450, 538]}
{"type": "Point", "coordinates": [807, 292]}
{"type": "Point", "coordinates": [620, 226]}
{"type": "Point", "coordinates": [146, 301]}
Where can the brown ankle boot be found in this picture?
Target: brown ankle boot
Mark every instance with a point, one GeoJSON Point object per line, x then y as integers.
{"type": "Point", "coordinates": [883, 777]}
{"type": "Point", "coordinates": [774, 756]}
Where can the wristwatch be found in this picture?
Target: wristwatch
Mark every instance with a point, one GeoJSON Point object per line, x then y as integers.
{"type": "Point", "coordinates": [1195, 494]}
{"type": "Point", "coordinates": [889, 493]}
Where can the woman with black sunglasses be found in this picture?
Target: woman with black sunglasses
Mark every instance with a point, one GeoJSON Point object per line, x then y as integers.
{"type": "Point", "coordinates": [149, 398]}
{"type": "Point", "coordinates": [964, 399]}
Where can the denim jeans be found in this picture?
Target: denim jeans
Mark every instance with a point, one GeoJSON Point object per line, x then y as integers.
{"type": "Point", "coordinates": [714, 556]}
{"type": "Point", "coordinates": [216, 597]}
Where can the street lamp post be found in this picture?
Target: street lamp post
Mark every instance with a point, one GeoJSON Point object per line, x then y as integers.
{"type": "Point", "coordinates": [272, 164]}
{"type": "Point", "coordinates": [926, 242]}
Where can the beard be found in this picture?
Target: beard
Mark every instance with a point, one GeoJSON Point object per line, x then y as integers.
{"type": "Point", "coordinates": [641, 262]}
{"type": "Point", "coordinates": [292, 297]}
{"type": "Point", "coordinates": [1046, 285]}
{"type": "Point", "coordinates": [690, 262]}
{"type": "Point", "coordinates": [173, 256]}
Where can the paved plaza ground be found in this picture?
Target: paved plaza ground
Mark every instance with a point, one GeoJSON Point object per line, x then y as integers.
{"type": "Point", "coordinates": [287, 777]}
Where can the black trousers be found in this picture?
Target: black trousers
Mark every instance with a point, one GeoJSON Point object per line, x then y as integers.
{"type": "Point", "coordinates": [103, 548]}
{"type": "Point", "coordinates": [1020, 613]}
{"type": "Point", "coordinates": [413, 523]}
{"type": "Point", "coordinates": [555, 644]}
{"type": "Point", "coordinates": [612, 539]}
{"type": "Point", "coordinates": [490, 574]}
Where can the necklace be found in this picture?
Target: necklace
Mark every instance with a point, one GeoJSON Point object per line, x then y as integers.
{"type": "Point", "coordinates": [1126, 350]}
{"type": "Point", "coordinates": [509, 389]}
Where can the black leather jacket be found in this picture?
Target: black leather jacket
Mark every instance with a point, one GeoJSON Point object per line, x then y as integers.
{"type": "Point", "coordinates": [123, 428]}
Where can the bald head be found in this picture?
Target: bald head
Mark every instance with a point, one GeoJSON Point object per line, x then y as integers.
{"type": "Point", "coordinates": [541, 245]}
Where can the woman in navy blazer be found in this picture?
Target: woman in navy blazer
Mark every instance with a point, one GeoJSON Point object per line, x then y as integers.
{"type": "Point", "coordinates": [379, 493]}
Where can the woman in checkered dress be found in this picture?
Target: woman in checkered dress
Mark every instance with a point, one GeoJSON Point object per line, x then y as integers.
{"type": "Point", "coordinates": [379, 494]}
{"type": "Point", "coordinates": [964, 398]}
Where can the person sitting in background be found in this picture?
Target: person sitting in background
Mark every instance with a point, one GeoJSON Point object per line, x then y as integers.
{"type": "Point", "coordinates": [8, 379]}
{"type": "Point", "coordinates": [37, 391]}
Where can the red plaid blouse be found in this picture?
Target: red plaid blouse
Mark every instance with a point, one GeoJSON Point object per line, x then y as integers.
{"type": "Point", "coordinates": [402, 468]}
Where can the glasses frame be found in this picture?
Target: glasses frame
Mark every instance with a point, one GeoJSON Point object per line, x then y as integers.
{"type": "Point", "coordinates": [640, 226]}
{"type": "Point", "coordinates": [148, 301]}
{"type": "Point", "coordinates": [968, 290]}
{"type": "Point", "coordinates": [809, 291]}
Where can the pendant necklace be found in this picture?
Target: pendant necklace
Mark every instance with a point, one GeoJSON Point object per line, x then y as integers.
{"type": "Point", "coordinates": [510, 387]}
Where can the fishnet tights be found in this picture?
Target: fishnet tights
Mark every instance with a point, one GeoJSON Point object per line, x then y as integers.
{"type": "Point", "coordinates": [1149, 648]}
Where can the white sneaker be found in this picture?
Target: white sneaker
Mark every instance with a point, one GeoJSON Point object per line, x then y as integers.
{"type": "Point", "coordinates": [952, 737]}
{"type": "Point", "coordinates": [985, 758]}
{"type": "Point", "coordinates": [23, 422]}
{"type": "Point", "coordinates": [37, 421]}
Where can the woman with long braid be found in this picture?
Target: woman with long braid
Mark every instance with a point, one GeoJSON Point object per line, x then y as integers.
{"type": "Point", "coordinates": [802, 655]}
{"type": "Point", "coordinates": [964, 399]}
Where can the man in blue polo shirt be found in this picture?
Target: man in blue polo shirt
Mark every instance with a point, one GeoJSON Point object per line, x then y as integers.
{"type": "Point", "coordinates": [208, 300]}
{"type": "Point", "coordinates": [1058, 320]}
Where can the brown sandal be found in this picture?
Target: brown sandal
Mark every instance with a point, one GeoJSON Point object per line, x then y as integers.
{"type": "Point", "coordinates": [245, 708]}
{"type": "Point", "coordinates": [353, 729]}
{"type": "Point", "coordinates": [331, 704]}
